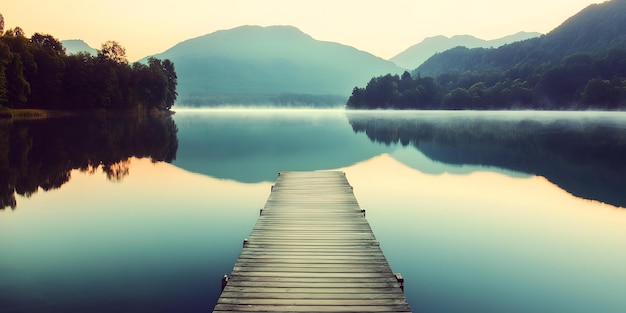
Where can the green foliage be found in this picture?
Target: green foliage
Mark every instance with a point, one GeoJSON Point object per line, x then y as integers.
{"type": "Point", "coordinates": [48, 42]}
{"type": "Point", "coordinates": [113, 51]}
{"type": "Point", "coordinates": [15, 32]}
{"type": "Point", "coordinates": [580, 81]}
{"type": "Point", "coordinates": [579, 65]}
{"type": "Point", "coordinates": [597, 29]}
{"type": "Point", "coordinates": [391, 91]}
{"type": "Point", "coordinates": [5, 55]}
{"type": "Point", "coordinates": [605, 92]}
{"type": "Point", "coordinates": [36, 73]}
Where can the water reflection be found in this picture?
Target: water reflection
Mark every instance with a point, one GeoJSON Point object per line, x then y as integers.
{"type": "Point", "coordinates": [159, 241]}
{"type": "Point", "coordinates": [488, 242]}
{"type": "Point", "coordinates": [253, 145]}
{"type": "Point", "coordinates": [582, 153]}
{"type": "Point", "coordinates": [466, 235]}
{"type": "Point", "coordinates": [42, 154]}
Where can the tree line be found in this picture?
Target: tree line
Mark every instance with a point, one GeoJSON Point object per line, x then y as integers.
{"type": "Point", "coordinates": [577, 82]}
{"type": "Point", "coordinates": [579, 65]}
{"type": "Point", "coordinates": [36, 73]}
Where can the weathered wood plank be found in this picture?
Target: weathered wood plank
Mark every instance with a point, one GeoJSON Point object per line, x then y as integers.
{"type": "Point", "coordinates": [312, 250]}
{"type": "Point", "coordinates": [378, 278]}
{"type": "Point", "coordinates": [311, 290]}
{"type": "Point", "coordinates": [311, 308]}
{"type": "Point", "coordinates": [345, 284]}
{"type": "Point", "coordinates": [313, 269]}
{"type": "Point", "coordinates": [299, 260]}
{"type": "Point", "coordinates": [310, 302]}
{"type": "Point", "coordinates": [361, 294]}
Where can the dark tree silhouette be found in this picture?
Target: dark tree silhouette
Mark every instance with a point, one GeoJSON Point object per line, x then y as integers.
{"type": "Point", "coordinates": [36, 73]}
{"type": "Point", "coordinates": [1, 24]}
{"type": "Point", "coordinates": [112, 50]}
{"type": "Point", "coordinates": [579, 82]}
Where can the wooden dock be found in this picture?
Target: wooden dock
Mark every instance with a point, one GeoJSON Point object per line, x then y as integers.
{"type": "Point", "coordinates": [312, 250]}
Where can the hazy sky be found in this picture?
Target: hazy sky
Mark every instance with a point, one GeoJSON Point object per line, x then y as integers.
{"type": "Point", "coordinates": [383, 28]}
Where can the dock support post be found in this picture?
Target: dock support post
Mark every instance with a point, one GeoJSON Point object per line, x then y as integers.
{"type": "Point", "coordinates": [400, 280]}
{"type": "Point", "coordinates": [224, 281]}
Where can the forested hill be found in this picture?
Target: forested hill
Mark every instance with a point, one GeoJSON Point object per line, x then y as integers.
{"type": "Point", "coordinates": [269, 65]}
{"type": "Point", "coordinates": [598, 28]}
{"type": "Point", "coordinates": [579, 65]}
{"type": "Point", "coordinates": [36, 73]}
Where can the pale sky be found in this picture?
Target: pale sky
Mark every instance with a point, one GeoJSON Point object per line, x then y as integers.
{"type": "Point", "coordinates": [383, 28]}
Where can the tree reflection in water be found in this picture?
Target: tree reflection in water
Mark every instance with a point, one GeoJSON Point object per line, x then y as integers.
{"type": "Point", "coordinates": [41, 154]}
{"type": "Point", "coordinates": [581, 152]}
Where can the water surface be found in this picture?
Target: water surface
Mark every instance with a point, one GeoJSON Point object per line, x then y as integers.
{"type": "Point", "coordinates": [480, 212]}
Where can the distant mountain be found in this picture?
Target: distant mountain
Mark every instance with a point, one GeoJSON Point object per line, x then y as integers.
{"type": "Point", "coordinates": [415, 55]}
{"type": "Point", "coordinates": [597, 28]}
{"type": "Point", "coordinates": [74, 46]}
{"type": "Point", "coordinates": [580, 65]}
{"type": "Point", "coordinates": [276, 64]}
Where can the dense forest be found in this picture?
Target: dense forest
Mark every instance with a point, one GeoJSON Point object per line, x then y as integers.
{"type": "Point", "coordinates": [36, 73]}
{"type": "Point", "coordinates": [578, 82]}
{"type": "Point", "coordinates": [579, 65]}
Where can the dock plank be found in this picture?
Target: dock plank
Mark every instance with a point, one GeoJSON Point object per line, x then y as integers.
{"type": "Point", "coordinates": [312, 250]}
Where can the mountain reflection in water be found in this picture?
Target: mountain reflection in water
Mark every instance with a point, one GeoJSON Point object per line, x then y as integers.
{"type": "Point", "coordinates": [452, 197]}
{"type": "Point", "coordinates": [581, 152]}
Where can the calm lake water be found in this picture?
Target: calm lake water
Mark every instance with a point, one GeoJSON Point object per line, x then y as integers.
{"type": "Point", "coordinates": [479, 211]}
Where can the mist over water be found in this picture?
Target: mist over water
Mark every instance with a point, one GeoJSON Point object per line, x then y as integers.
{"type": "Point", "coordinates": [479, 211]}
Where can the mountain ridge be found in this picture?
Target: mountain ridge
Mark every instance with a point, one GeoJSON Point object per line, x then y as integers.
{"type": "Point", "coordinates": [580, 65]}
{"type": "Point", "coordinates": [596, 28]}
{"type": "Point", "coordinates": [74, 46]}
{"type": "Point", "coordinates": [250, 64]}
{"type": "Point", "coordinates": [416, 54]}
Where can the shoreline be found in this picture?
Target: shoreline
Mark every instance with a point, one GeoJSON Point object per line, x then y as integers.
{"type": "Point", "coordinates": [39, 114]}
{"type": "Point", "coordinates": [31, 114]}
